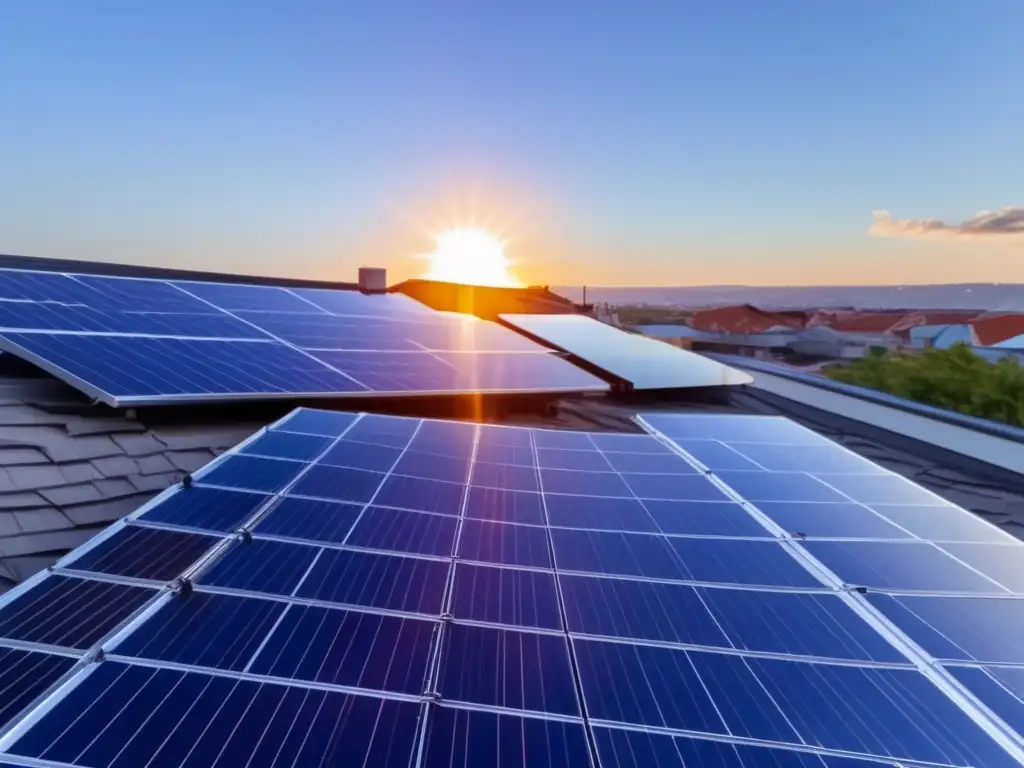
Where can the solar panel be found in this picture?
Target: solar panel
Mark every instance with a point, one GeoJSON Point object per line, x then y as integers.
{"type": "Point", "coordinates": [131, 341]}
{"type": "Point", "coordinates": [643, 362]}
{"type": "Point", "coordinates": [368, 588]}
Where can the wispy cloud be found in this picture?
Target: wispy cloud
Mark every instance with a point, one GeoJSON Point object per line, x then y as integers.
{"type": "Point", "coordinates": [999, 225]}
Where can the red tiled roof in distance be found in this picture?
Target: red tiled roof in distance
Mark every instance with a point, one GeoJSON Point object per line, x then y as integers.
{"type": "Point", "coordinates": [485, 302]}
{"type": "Point", "coordinates": [862, 322]}
{"type": "Point", "coordinates": [744, 318]}
{"type": "Point", "coordinates": [991, 329]}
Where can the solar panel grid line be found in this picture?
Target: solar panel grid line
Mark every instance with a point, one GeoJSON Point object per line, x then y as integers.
{"type": "Point", "coordinates": [279, 340]}
{"type": "Point", "coordinates": [431, 681]}
{"type": "Point", "coordinates": [433, 667]}
{"type": "Point", "coordinates": [563, 613]}
{"type": "Point", "coordinates": [921, 660]}
{"type": "Point", "coordinates": [96, 393]}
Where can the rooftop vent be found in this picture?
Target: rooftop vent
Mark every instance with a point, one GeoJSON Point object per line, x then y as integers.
{"type": "Point", "coordinates": [373, 279]}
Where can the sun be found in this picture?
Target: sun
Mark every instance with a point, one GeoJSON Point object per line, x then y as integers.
{"type": "Point", "coordinates": [471, 256]}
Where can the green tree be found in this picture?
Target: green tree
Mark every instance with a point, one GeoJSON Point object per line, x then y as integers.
{"type": "Point", "coordinates": [955, 379]}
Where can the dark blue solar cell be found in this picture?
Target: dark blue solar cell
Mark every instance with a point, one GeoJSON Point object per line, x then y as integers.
{"type": "Point", "coordinates": [880, 489]}
{"type": "Point", "coordinates": [25, 675]}
{"type": "Point", "coordinates": [493, 435]}
{"type": "Point", "coordinates": [310, 519]}
{"type": "Point", "coordinates": [620, 748]}
{"type": "Point", "coordinates": [42, 286]}
{"type": "Point", "coordinates": [253, 473]}
{"type": "Point", "coordinates": [504, 544]}
{"type": "Point", "coordinates": [420, 494]}
{"type": "Point", "coordinates": [205, 630]}
{"type": "Point", "coordinates": [317, 422]}
{"type": "Point", "coordinates": [505, 596]}
{"type": "Point", "coordinates": [611, 442]}
{"type": "Point", "coordinates": [646, 686]}
{"type": "Point", "coordinates": [188, 718]}
{"type": "Point", "coordinates": [967, 628]}
{"type": "Point", "coordinates": [566, 481]}
{"type": "Point", "coordinates": [717, 456]}
{"type": "Point", "coordinates": [288, 445]}
{"type": "Point", "coordinates": [631, 554]}
{"type": "Point", "coordinates": [138, 369]}
{"type": "Point", "coordinates": [704, 518]}
{"type": "Point", "coordinates": [390, 431]}
{"type": "Point", "coordinates": [1004, 563]}
{"type": "Point", "coordinates": [262, 566]}
{"type": "Point", "coordinates": [602, 514]}
{"type": "Point", "coordinates": [507, 476]}
{"type": "Point", "coordinates": [807, 458]}
{"type": "Point", "coordinates": [779, 486]}
{"type": "Point", "coordinates": [895, 713]}
{"type": "Point", "coordinates": [738, 561]}
{"type": "Point", "coordinates": [71, 612]}
{"type": "Point", "coordinates": [897, 565]}
{"type": "Point", "coordinates": [500, 667]}
{"type": "Point", "coordinates": [145, 553]}
{"type": "Point", "coordinates": [666, 463]}
{"type": "Point", "coordinates": [551, 438]}
{"type": "Point", "coordinates": [432, 467]}
{"type": "Point", "coordinates": [941, 523]}
{"type": "Point", "coordinates": [505, 506]}
{"type": "Point", "coordinates": [733, 428]}
{"type": "Point", "coordinates": [445, 438]}
{"type": "Point", "coordinates": [138, 294]}
{"type": "Point", "coordinates": [315, 332]}
{"type": "Point", "coordinates": [362, 650]}
{"type": "Point", "coordinates": [347, 453]}
{"type": "Point", "coordinates": [553, 458]}
{"type": "Point", "coordinates": [506, 454]}
{"type": "Point", "coordinates": [490, 740]}
{"type": "Point", "coordinates": [835, 521]}
{"type": "Point", "coordinates": [674, 487]}
{"type": "Point", "coordinates": [211, 508]}
{"type": "Point", "coordinates": [1001, 689]}
{"type": "Point", "coordinates": [794, 623]}
{"type": "Point", "coordinates": [381, 581]}
{"type": "Point", "coordinates": [398, 530]}
{"type": "Point", "coordinates": [648, 610]}
{"type": "Point", "coordinates": [262, 298]}
{"type": "Point", "coordinates": [338, 483]}
{"type": "Point", "coordinates": [398, 372]}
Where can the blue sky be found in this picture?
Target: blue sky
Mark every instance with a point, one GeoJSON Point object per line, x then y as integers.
{"type": "Point", "coordinates": [614, 142]}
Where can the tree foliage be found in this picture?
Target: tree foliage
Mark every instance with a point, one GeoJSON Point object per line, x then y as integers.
{"type": "Point", "coordinates": [955, 379]}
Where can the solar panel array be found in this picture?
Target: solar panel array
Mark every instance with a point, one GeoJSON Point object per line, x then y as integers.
{"type": "Point", "coordinates": [133, 341]}
{"type": "Point", "coordinates": [644, 362]}
{"type": "Point", "coordinates": [380, 591]}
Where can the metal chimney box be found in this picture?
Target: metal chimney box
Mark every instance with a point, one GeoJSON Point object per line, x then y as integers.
{"type": "Point", "coordinates": [373, 279]}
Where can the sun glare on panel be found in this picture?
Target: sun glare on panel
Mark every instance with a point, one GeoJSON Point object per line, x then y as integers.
{"type": "Point", "coordinates": [471, 256]}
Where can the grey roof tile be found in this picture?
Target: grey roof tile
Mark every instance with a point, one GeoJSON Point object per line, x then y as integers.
{"type": "Point", "coordinates": [139, 445]}
{"type": "Point", "coordinates": [186, 438]}
{"type": "Point", "coordinates": [10, 456]}
{"type": "Point", "coordinates": [25, 567]}
{"type": "Point", "coordinates": [21, 500]}
{"type": "Point", "coordinates": [9, 525]}
{"type": "Point", "coordinates": [151, 465]}
{"type": "Point", "coordinates": [37, 543]}
{"type": "Point", "coordinates": [116, 466]}
{"type": "Point", "coordinates": [37, 520]}
{"type": "Point", "coordinates": [71, 494]}
{"type": "Point", "coordinates": [21, 414]}
{"type": "Point", "coordinates": [80, 472]}
{"type": "Point", "coordinates": [115, 487]}
{"type": "Point", "coordinates": [105, 511]}
{"type": "Point", "coordinates": [87, 426]}
{"type": "Point", "coordinates": [154, 482]}
{"type": "Point", "coordinates": [190, 461]}
{"type": "Point", "coordinates": [6, 483]}
{"type": "Point", "coordinates": [31, 478]}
